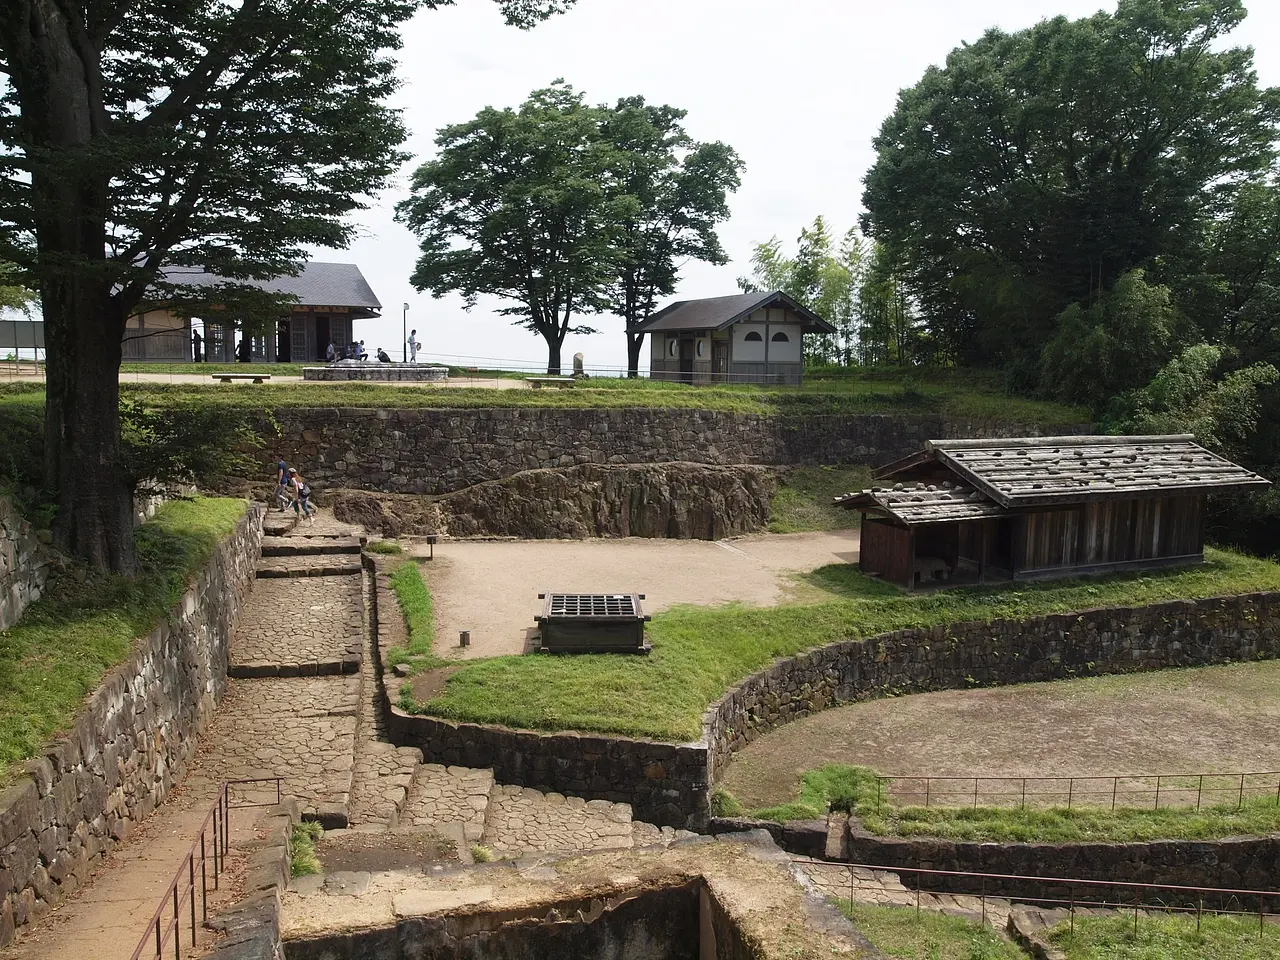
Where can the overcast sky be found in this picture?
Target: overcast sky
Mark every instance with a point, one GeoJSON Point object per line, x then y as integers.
{"type": "Point", "coordinates": [798, 87]}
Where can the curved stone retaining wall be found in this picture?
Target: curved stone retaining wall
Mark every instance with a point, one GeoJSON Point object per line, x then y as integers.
{"type": "Point", "coordinates": [431, 451]}
{"type": "Point", "coordinates": [131, 741]}
{"type": "Point", "coordinates": [1180, 633]}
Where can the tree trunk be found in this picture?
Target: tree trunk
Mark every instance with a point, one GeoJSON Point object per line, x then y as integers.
{"type": "Point", "coordinates": [634, 342]}
{"type": "Point", "coordinates": [82, 425]}
{"type": "Point", "coordinates": [554, 343]}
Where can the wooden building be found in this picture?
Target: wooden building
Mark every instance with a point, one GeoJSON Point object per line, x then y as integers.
{"type": "Point", "coordinates": [327, 298]}
{"type": "Point", "coordinates": [1040, 507]}
{"type": "Point", "coordinates": [747, 338]}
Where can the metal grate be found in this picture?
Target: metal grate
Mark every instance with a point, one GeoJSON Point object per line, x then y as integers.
{"type": "Point", "coordinates": [592, 605]}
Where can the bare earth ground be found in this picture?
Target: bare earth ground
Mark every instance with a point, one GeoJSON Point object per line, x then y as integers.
{"type": "Point", "coordinates": [1212, 719]}
{"type": "Point", "coordinates": [491, 588]}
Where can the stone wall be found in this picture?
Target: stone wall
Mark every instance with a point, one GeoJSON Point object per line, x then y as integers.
{"type": "Point", "coordinates": [676, 500]}
{"type": "Point", "coordinates": [24, 565]}
{"type": "Point", "coordinates": [1239, 863]}
{"type": "Point", "coordinates": [437, 451]}
{"type": "Point", "coordinates": [1181, 633]}
{"type": "Point", "coordinates": [130, 743]}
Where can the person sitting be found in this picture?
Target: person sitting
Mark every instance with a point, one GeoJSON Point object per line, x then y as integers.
{"type": "Point", "coordinates": [382, 356]}
{"type": "Point", "coordinates": [331, 354]}
{"type": "Point", "coordinates": [362, 354]}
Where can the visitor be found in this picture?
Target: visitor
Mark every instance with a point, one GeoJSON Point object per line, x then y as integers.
{"type": "Point", "coordinates": [383, 357]}
{"type": "Point", "coordinates": [302, 496]}
{"type": "Point", "coordinates": [362, 353]}
{"type": "Point", "coordinates": [331, 353]}
{"type": "Point", "coordinates": [197, 343]}
{"type": "Point", "coordinates": [244, 352]}
{"type": "Point", "coordinates": [282, 485]}
{"type": "Point", "coordinates": [414, 346]}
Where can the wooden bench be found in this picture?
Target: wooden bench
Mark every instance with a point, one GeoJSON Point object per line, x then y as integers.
{"type": "Point", "coordinates": [539, 382]}
{"type": "Point", "coordinates": [228, 377]}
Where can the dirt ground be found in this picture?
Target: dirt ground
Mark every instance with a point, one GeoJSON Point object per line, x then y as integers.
{"type": "Point", "coordinates": [491, 588]}
{"type": "Point", "coordinates": [1213, 719]}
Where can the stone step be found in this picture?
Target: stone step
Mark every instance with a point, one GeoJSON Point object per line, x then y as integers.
{"type": "Point", "coordinates": [381, 781]}
{"type": "Point", "coordinates": [521, 819]}
{"type": "Point", "coordinates": [277, 524]}
{"type": "Point", "coordinates": [309, 566]}
{"type": "Point", "coordinates": [440, 796]}
{"type": "Point", "coordinates": [305, 546]}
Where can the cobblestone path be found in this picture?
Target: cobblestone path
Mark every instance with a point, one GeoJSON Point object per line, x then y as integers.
{"type": "Point", "coordinates": [519, 818]}
{"type": "Point", "coordinates": [450, 795]}
{"type": "Point", "coordinates": [296, 624]}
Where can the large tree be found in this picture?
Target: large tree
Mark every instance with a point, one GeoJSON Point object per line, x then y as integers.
{"type": "Point", "coordinates": [1037, 168]}
{"type": "Point", "coordinates": [135, 135]}
{"type": "Point", "coordinates": [680, 189]}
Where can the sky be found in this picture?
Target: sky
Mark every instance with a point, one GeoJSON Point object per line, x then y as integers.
{"type": "Point", "coordinates": [798, 87]}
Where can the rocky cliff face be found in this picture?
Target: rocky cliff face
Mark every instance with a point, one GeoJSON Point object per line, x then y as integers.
{"type": "Point", "coordinates": [686, 501]}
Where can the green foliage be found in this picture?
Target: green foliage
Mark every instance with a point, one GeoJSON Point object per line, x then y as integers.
{"type": "Point", "coordinates": [567, 209]}
{"type": "Point", "coordinates": [1118, 343]}
{"type": "Point", "coordinates": [923, 935]}
{"type": "Point", "coordinates": [1004, 207]}
{"type": "Point", "coordinates": [303, 861]}
{"type": "Point", "coordinates": [1186, 396]}
{"type": "Point", "coordinates": [481, 854]}
{"type": "Point", "coordinates": [388, 548]}
{"type": "Point", "coordinates": [832, 787]}
{"type": "Point", "coordinates": [86, 624]}
{"type": "Point", "coordinates": [699, 652]}
{"type": "Point", "coordinates": [14, 292]}
{"type": "Point", "coordinates": [419, 619]}
{"type": "Point", "coordinates": [1172, 937]}
{"type": "Point", "coordinates": [186, 444]}
{"type": "Point", "coordinates": [725, 804]}
{"type": "Point", "coordinates": [804, 500]}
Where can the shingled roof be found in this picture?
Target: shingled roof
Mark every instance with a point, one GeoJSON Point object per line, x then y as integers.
{"type": "Point", "coordinates": [1042, 471]}
{"type": "Point", "coordinates": [916, 504]}
{"type": "Point", "coordinates": [716, 313]}
{"type": "Point", "coordinates": [318, 284]}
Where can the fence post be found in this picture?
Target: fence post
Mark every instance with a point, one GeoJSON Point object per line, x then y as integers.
{"type": "Point", "coordinates": [1240, 799]}
{"type": "Point", "coordinates": [1024, 794]}
{"type": "Point", "coordinates": [1071, 895]}
{"type": "Point", "coordinates": [204, 882]}
{"type": "Point", "coordinates": [1199, 792]}
{"type": "Point", "coordinates": [177, 926]}
{"type": "Point", "coordinates": [984, 901]}
{"type": "Point", "coordinates": [975, 793]}
{"type": "Point", "coordinates": [191, 883]}
{"type": "Point", "coordinates": [1115, 785]}
{"type": "Point", "coordinates": [1071, 789]}
{"type": "Point", "coordinates": [1157, 792]}
{"type": "Point", "coordinates": [926, 791]}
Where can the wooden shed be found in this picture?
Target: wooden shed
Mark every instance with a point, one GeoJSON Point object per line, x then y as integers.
{"type": "Point", "coordinates": [1038, 507]}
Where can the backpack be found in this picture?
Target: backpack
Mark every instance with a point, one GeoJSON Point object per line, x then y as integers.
{"type": "Point", "coordinates": [304, 490]}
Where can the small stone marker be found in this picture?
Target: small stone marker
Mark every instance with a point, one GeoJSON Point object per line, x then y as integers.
{"type": "Point", "coordinates": [578, 365]}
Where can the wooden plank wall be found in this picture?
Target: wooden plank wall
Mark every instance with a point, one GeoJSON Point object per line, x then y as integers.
{"type": "Point", "coordinates": [1109, 532]}
{"type": "Point", "coordinates": [887, 551]}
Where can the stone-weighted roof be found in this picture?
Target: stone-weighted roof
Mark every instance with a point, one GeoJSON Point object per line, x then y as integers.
{"type": "Point", "coordinates": [919, 503]}
{"type": "Point", "coordinates": [318, 284]}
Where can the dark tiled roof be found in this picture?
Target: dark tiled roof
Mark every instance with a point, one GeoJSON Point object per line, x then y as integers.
{"type": "Point", "coordinates": [918, 503]}
{"type": "Point", "coordinates": [316, 285]}
{"type": "Point", "coordinates": [1036, 471]}
{"type": "Point", "coordinates": [714, 313]}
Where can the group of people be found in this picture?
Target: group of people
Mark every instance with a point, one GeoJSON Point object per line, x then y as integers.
{"type": "Point", "coordinates": [293, 492]}
{"type": "Point", "coordinates": [357, 351]}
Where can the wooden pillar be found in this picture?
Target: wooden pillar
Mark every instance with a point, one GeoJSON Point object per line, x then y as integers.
{"type": "Point", "coordinates": [911, 560]}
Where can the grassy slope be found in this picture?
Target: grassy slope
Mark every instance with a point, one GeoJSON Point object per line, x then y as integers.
{"type": "Point", "coordinates": [901, 932]}
{"type": "Point", "coordinates": [419, 618]}
{"type": "Point", "coordinates": [854, 788]}
{"type": "Point", "coordinates": [67, 641]}
{"type": "Point", "coordinates": [1167, 938]}
{"type": "Point", "coordinates": [850, 396]}
{"type": "Point", "coordinates": [803, 502]}
{"type": "Point", "coordinates": [699, 652]}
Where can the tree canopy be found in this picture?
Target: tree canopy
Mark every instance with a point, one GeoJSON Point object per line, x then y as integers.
{"type": "Point", "coordinates": [135, 136]}
{"type": "Point", "coordinates": [568, 210]}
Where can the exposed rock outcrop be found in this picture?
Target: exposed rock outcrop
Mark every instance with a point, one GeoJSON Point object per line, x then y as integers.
{"type": "Point", "coordinates": [668, 500]}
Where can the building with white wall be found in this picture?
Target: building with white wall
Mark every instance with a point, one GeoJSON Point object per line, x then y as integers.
{"type": "Point", "coordinates": [746, 338]}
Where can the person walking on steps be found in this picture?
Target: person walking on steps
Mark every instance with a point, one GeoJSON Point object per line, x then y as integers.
{"type": "Point", "coordinates": [302, 496]}
{"type": "Point", "coordinates": [282, 485]}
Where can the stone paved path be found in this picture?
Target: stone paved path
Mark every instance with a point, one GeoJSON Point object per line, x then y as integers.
{"type": "Point", "coordinates": [450, 795]}
{"type": "Point", "coordinates": [519, 818]}
{"type": "Point", "coordinates": [308, 620]}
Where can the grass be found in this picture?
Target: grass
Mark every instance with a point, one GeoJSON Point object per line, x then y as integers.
{"type": "Point", "coordinates": [303, 860]}
{"type": "Point", "coordinates": [973, 399]}
{"type": "Point", "coordinates": [86, 624]}
{"type": "Point", "coordinates": [481, 854]}
{"type": "Point", "coordinates": [1167, 938]}
{"type": "Point", "coordinates": [387, 548]}
{"type": "Point", "coordinates": [803, 502]}
{"type": "Point", "coordinates": [699, 651]}
{"type": "Point", "coordinates": [419, 619]}
{"type": "Point", "coordinates": [854, 789]}
{"type": "Point", "coordinates": [923, 935]}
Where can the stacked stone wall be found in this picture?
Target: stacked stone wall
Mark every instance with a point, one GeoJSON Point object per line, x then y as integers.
{"type": "Point", "coordinates": [129, 744]}
{"type": "Point", "coordinates": [436, 451]}
{"type": "Point", "coordinates": [25, 564]}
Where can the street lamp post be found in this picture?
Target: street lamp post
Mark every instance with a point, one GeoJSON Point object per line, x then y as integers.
{"type": "Point", "coordinates": [404, 338]}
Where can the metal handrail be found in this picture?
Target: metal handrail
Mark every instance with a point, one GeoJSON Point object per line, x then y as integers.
{"type": "Point", "coordinates": [215, 828]}
{"type": "Point", "coordinates": [1138, 903]}
{"type": "Point", "coordinates": [1235, 785]}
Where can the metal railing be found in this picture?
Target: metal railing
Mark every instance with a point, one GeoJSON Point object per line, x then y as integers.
{"type": "Point", "coordinates": [1142, 898]}
{"type": "Point", "coordinates": [208, 853]}
{"type": "Point", "coordinates": [1143, 791]}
